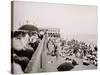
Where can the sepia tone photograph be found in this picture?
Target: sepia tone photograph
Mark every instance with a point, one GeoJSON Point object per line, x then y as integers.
{"type": "Point", "coordinates": [53, 37]}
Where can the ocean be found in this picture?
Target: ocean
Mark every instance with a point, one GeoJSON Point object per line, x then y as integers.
{"type": "Point", "coordinates": [88, 38]}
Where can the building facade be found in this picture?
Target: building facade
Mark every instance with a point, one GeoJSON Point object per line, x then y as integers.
{"type": "Point", "coordinates": [51, 32]}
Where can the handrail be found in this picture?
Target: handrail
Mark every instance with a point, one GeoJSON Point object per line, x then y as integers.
{"type": "Point", "coordinates": [35, 62]}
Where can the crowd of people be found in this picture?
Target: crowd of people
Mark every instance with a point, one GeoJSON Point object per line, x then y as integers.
{"type": "Point", "coordinates": [24, 44]}
{"type": "Point", "coordinates": [78, 49]}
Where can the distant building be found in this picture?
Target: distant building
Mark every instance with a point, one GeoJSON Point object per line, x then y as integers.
{"type": "Point", "coordinates": [51, 32]}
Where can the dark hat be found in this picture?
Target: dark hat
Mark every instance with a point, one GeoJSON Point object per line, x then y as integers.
{"type": "Point", "coordinates": [16, 33]}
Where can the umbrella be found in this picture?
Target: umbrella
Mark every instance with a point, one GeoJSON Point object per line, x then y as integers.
{"type": "Point", "coordinates": [65, 67]}
{"type": "Point", "coordinates": [29, 28]}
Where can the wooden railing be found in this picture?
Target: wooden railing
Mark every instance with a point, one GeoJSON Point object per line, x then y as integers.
{"type": "Point", "coordinates": [35, 63]}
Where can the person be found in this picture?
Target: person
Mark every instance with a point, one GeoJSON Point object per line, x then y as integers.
{"type": "Point", "coordinates": [21, 47]}
{"type": "Point", "coordinates": [20, 53]}
{"type": "Point", "coordinates": [49, 43]}
{"type": "Point", "coordinates": [51, 47]}
{"type": "Point", "coordinates": [25, 39]}
{"type": "Point", "coordinates": [40, 35]}
{"type": "Point", "coordinates": [57, 48]}
{"type": "Point", "coordinates": [28, 52]}
{"type": "Point", "coordinates": [17, 44]}
{"type": "Point", "coordinates": [34, 41]}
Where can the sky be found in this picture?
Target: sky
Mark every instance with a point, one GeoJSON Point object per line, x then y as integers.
{"type": "Point", "coordinates": [71, 19]}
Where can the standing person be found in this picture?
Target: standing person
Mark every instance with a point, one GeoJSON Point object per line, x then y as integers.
{"type": "Point", "coordinates": [17, 44]}
{"type": "Point", "coordinates": [18, 50]}
{"type": "Point", "coordinates": [28, 52]}
{"type": "Point", "coordinates": [57, 49]}
{"type": "Point", "coordinates": [34, 41]}
{"type": "Point", "coordinates": [49, 46]}
{"type": "Point", "coordinates": [40, 35]}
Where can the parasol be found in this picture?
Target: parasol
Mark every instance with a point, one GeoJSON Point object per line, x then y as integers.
{"type": "Point", "coordinates": [29, 27]}
{"type": "Point", "coordinates": [65, 67]}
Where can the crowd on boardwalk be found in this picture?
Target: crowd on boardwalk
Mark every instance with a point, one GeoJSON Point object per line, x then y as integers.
{"type": "Point", "coordinates": [24, 44]}
{"type": "Point", "coordinates": [72, 48]}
